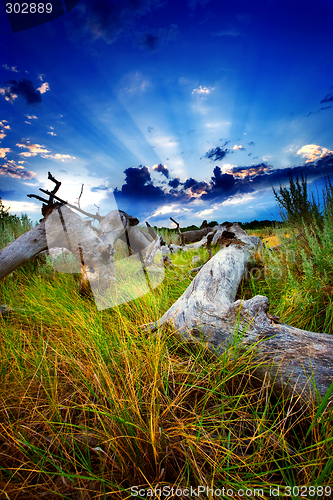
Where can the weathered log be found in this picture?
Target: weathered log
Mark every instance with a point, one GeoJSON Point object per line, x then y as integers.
{"type": "Point", "coordinates": [151, 231]}
{"type": "Point", "coordinates": [294, 360]}
{"type": "Point", "coordinates": [173, 248]}
{"type": "Point", "coordinates": [64, 228]}
{"type": "Point", "coordinates": [22, 249]}
{"type": "Point", "coordinates": [180, 234]}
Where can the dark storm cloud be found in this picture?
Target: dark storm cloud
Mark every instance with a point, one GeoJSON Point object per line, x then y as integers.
{"type": "Point", "coordinates": [138, 185]}
{"type": "Point", "coordinates": [174, 183]}
{"type": "Point", "coordinates": [106, 19]}
{"type": "Point", "coordinates": [150, 41]}
{"type": "Point", "coordinates": [250, 143]}
{"type": "Point", "coordinates": [25, 88]}
{"type": "Point", "coordinates": [251, 170]}
{"type": "Point", "coordinates": [221, 181]}
{"type": "Point", "coordinates": [217, 154]}
{"type": "Point", "coordinates": [162, 169]}
{"type": "Point", "coordinates": [200, 187]}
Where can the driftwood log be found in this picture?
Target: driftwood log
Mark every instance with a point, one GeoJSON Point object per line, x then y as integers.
{"type": "Point", "coordinates": [294, 360]}
{"type": "Point", "coordinates": [188, 237]}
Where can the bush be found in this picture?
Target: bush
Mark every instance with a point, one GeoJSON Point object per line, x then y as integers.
{"type": "Point", "coordinates": [295, 205]}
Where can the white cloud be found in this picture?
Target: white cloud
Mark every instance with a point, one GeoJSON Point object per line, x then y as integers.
{"type": "Point", "coordinates": [136, 83]}
{"type": "Point", "coordinates": [3, 152]}
{"type": "Point", "coordinates": [203, 90]}
{"type": "Point", "coordinates": [208, 211]}
{"type": "Point", "coordinates": [44, 88]}
{"type": "Point", "coordinates": [34, 149]}
{"type": "Point", "coordinates": [217, 124]}
{"type": "Point", "coordinates": [237, 147]}
{"type": "Point", "coordinates": [166, 209]}
{"type": "Point", "coordinates": [313, 152]}
{"type": "Point", "coordinates": [238, 200]}
{"type": "Point", "coordinates": [32, 117]}
{"type": "Point", "coordinates": [52, 133]}
{"type": "Point", "coordinates": [12, 68]}
{"type": "Point", "coordinates": [21, 206]}
{"type": "Point", "coordinates": [58, 156]}
{"type": "Point", "coordinates": [2, 124]}
{"type": "Point", "coordinates": [9, 97]}
{"type": "Point", "coordinates": [10, 169]}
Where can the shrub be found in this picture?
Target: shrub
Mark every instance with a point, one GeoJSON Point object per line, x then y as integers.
{"type": "Point", "coordinates": [295, 205]}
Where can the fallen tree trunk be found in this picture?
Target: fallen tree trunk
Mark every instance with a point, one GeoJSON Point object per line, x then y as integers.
{"type": "Point", "coordinates": [92, 247]}
{"type": "Point", "coordinates": [22, 249]}
{"type": "Point", "coordinates": [294, 359]}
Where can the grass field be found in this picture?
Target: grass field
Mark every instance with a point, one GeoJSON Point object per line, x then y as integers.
{"type": "Point", "coordinates": [92, 405]}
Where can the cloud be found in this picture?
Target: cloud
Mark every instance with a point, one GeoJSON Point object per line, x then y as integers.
{"type": "Point", "coordinates": [3, 126]}
{"type": "Point", "coordinates": [174, 183]}
{"type": "Point", "coordinates": [313, 152]}
{"type": "Point", "coordinates": [250, 143]}
{"type": "Point", "coordinates": [58, 156]}
{"type": "Point", "coordinates": [34, 149]}
{"type": "Point", "coordinates": [23, 87]}
{"type": "Point", "coordinates": [222, 181]}
{"type": "Point", "coordinates": [98, 188]}
{"type": "Point", "coordinates": [232, 187]}
{"type": "Point", "coordinates": [44, 88]}
{"type": "Point", "coordinates": [11, 169]}
{"type": "Point", "coordinates": [52, 133]}
{"type": "Point", "coordinates": [22, 206]}
{"type": "Point", "coordinates": [107, 19]}
{"type": "Point", "coordinates": [163, 169]}
{"type": "Point", "coordinates": [136, 83]}
{"type": "Point", "coordinates": [328, 98]}
{"type": "Point", "coordinates": [250, 171]}
{"type": "Point", "coordinates": [167, 209]}
{"type": "Point", "coordinates": [198, 188]}
{"type": "Point", "coordinates": [32, 117]}
{"type": "Point", "coordinates": [3, 152]}
{"type": "Point", "coordinates": [240, 148]}
{"type": "Point", "coordinates": [12, 68]}
{"type": "Point", "coordinates": [150, 41]}
{"type": "Point", "coordinates": [227, 33]}
{"type": "Point", "coordinates": [203, 90]}
{"type": "Point", "coordinates": [217, 154]}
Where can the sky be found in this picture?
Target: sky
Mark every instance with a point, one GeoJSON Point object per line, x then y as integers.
{"type": "Point", "coordinates": [191, 109]}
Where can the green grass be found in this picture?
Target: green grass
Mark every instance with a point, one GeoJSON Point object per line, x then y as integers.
{"type": "Point", "coordinates": [92, 405]}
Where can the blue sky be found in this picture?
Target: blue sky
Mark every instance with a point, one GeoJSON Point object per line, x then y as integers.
{"type": "Point", "coordinates": [187, 109]}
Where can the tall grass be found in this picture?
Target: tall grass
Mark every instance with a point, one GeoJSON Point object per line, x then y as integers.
{"type": "Point", "coordinates": [92, 405]}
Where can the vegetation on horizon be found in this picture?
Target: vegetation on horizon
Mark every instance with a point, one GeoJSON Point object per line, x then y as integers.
{"type": "Point", "coordinates": [92, 405]}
